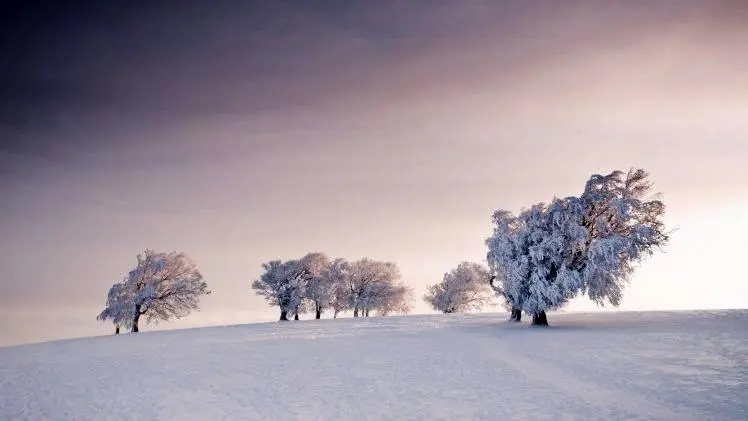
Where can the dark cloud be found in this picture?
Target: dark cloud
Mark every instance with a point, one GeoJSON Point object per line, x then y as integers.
{"type": "Point", "coordinates": [129, 64]}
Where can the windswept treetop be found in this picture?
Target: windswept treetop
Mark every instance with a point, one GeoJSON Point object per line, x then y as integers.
{"type": "Point", "coordinates": [622, 225]}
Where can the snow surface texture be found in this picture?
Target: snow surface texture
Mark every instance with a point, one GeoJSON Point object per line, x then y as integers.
{"type": "Point", "coordinates": [608, 366]}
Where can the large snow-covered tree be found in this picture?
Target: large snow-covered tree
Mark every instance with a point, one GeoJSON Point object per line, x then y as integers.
{"type": "Point", "coordinates": [161, 287]}
{"type": "Point", "coordinates": [282, 284]}
{"type": "Point", "coordinates": [589, 244]}
{"type": "Point", "coordinates": [464, 288]}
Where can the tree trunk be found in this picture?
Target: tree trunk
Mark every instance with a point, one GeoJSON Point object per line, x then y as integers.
{"type": "Point", "coordinates": [135, 320]}
{"type": "Point", "coordinates": [367, 312]}
{"type": "Point", "coordinates": [318, 313]}
{"type": "Point", "coordinates": [335, 314]}
{"type": "Point", "coordinates": [355, 312]}
{"type": "Point", "coordinates": [539, 319]}
{"type": "Point", "coordinates": [296, 316]}
{"type": "Point", "coordinates": [284, 316]}
{"type": "Point", "coordinates": [116, 330]}
{"type": "Point", "coordinates": [516, 315]}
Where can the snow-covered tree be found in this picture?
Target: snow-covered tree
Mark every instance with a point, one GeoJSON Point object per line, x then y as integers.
{"type": "Point", "coordinates": [394, 298]}
{"type": "Point", "coordinates": [161, 287]}
{"type": "Point", "coordinates": [464, 288]}
{"type": "Point", "coordinates": [550, 284]}
{"type": "Point", "coordinates": [282, 284]}
{"type": "Point", "coordinates": [576, 245]}
{"type": "Point", "coordinates": [370, 285]}
{"type": "Point", "coordinates": [119, 306]}
{"type": "Point", "coordinates": [371, 281]}
{"type": "Point", "coordinates": [340, 298]}
{"type": "Point", "coordinates": [319, 286]}
{"type": "Point", "coordinates": [508, 261]}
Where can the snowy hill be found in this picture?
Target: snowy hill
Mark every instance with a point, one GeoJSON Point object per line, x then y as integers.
{"type": "Point", "coordinates": [608, 366]}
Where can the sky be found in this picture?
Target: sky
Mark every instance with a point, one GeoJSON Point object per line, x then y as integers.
{"type": "Point", "coordinates": [240, 132]}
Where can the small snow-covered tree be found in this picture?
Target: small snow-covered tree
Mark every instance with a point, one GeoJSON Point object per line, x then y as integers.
{"type": "Point", "coordinates": [464, 288]}
{"type": "Point", "coordinates": [119, 306]}
{"type": "Point", "coordinates": [394, 298]}
{"type": "Point", "coordinates": [367, 280]}
{"type": "Point", "coordinates": [161, 287]}
{"type": "Point", "coordinates": [366, 284]}
{"type": "Point", "coordinates": [340, 298]}
{"type": "Point", "coordinates": [282, 285]}
{"type": "Point", "coordinates": [319, 285]}
{"type": "Point", "coordinates": [576, 245]}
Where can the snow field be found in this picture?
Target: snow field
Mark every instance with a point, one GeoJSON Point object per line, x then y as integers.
{"type": "Point", "coordinates": [612, 366]}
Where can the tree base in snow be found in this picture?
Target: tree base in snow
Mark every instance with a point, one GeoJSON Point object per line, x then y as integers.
{"type": "Point", "coordinates": [540, 319]}
{"type": "Point", "coordinates": [516, 316]}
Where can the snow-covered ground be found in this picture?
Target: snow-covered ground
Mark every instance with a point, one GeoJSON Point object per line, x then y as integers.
{"type": "Point", "coordinates": [607, 366]}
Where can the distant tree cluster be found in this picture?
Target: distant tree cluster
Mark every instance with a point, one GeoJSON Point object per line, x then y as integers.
{"type": "Point", "coordinates": [161, 287]}
{"type": "Point", "coordinates": [585, 245]}
{"type": "Point", "coordinates": [316, 283]}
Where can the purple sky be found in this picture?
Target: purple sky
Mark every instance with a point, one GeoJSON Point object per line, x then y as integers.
{"type": "Point", "coordinates": [240, 133]}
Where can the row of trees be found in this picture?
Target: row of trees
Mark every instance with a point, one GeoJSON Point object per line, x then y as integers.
{"type": "Point", "coordinates": [537, 261]}
{"type": "Point", "coordinates": [164, 286]}
{"type": "Point", "coordinates": [316, 283]}
{"type": "Point", "coordinates": [550, 253]}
